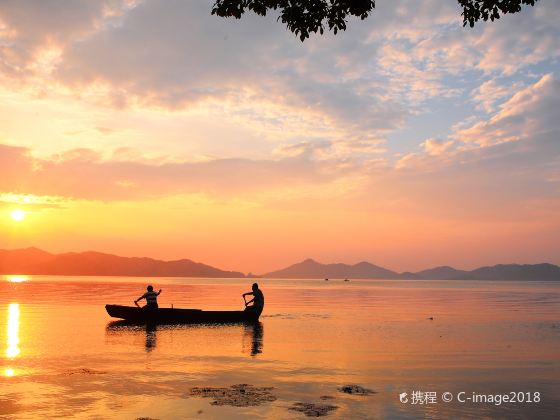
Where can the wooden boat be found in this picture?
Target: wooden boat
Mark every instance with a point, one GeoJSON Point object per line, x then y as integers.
{"type": "Point", "coordinates": [180, 316]}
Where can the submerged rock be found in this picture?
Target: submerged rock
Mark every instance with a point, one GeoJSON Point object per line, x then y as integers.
{"type": "Point", "coordinates": [356, 390]}
{"type": "Point", "coordinates": [241, 395]}
{"type": "Point", "coordinates": [312, 409]}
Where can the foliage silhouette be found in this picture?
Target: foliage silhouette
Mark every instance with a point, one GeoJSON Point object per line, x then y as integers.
{"type": "Point", "coordinates": [303, 17]}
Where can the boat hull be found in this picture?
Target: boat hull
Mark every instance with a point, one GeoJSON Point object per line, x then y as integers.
{"type": "Point", "coordinates": [180, 316]}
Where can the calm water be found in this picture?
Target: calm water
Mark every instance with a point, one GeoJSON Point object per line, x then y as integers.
{"type": "Point", "coordinates": [61, 358]}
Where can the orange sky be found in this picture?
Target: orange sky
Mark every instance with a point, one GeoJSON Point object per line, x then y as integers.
{"type": "Point", "coordinates": [155, 129]}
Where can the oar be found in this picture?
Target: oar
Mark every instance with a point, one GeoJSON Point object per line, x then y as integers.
{"type": "Point", "coordinates": [245, 300]}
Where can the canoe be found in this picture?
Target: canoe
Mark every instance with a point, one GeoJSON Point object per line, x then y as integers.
{"type": "Point", "coordinates": [180, 316]}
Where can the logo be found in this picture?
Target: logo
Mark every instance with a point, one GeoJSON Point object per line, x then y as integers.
{"type": "Point", "coordinates": [403, 396]}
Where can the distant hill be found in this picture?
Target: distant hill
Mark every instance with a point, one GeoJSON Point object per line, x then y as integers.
{"type": "Point", "coordinates": [441, 273]}
{"type": "Point", "coordinates": [36, 261]}
{"type": "Point", "coordinates": [514, 272]}
{"type": "Point", "coordinates": [311, 269]}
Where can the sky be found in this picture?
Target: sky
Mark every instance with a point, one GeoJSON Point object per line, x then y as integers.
{"type": "Point", "coordinates": [151, 128]}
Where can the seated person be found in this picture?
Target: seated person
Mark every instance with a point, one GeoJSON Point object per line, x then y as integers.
{"type": "Point", "coordinates": [151, 298]}
{"type": "Point", "coordinates": [257, 301]}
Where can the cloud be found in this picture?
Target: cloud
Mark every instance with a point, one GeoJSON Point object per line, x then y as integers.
{"type": "Point", "coordinates": [501, 47]}
{"type": "Point", "coordinates": [85, 174]}
{"type": "Point", "coordinates": [489, 93]}
{"type": "Point", "coordinates": [435, 147]}
{"type": "Point", "coordinates": [530, 112]}
{"type": "Point", "coordinates": [353, 88]}
{"type": "Point", "coordinates": [29, 28]}
{"type": "Point", "coordinates": [323, 109]}
{"type": "Point", "coordinates": [175, 55]}
{"type": "Point", "coordinates": [350, 150]}
{"type": "Point", "coordinates": [520, 40]}
{"type": "Point", "coordinates": [29, 201]}
{"type": "Point", "coordinates": [507, 168]}
{"type": "Point", "coordinates": [409, 78]}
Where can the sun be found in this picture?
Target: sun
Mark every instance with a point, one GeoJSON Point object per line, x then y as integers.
{"type": "Point", "coordinates": [18, 215]}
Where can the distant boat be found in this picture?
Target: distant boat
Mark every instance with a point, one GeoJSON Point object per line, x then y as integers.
{"type": "Point", "coordinates": [346, 280]}
{"type": "Point", "coordinates": [180, 316]}
{"type": "Point", "coordinates": [326, 279]}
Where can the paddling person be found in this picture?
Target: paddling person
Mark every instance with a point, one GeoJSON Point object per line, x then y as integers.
{"type": "Point", "coordinates": [257, 301]}
{"type": "Point", "coordinates": [151, 298]}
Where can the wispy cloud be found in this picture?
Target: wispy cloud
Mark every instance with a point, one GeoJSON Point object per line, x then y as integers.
{"type": "Point", "coordinates": [83, 173]}
{"type": "Point", "coordinates": [527, 114]}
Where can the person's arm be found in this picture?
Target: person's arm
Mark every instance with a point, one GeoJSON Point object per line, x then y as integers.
{"type": "Point", "coordinates": [247, 303]}
{"type": "Point", "coordinates": [248, 293]}
{"type": "Point", "coordinates": [140, 298]}
{"type": "Point", "coordinates": [159, 292]}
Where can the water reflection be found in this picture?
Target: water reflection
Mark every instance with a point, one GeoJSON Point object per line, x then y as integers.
{"type": "Point", "coordinates": [151, 337]}
{"type": "Point", "coordinates": [17, 279]}
{"type": "Point", "coordinates": [251, 335]}
{"type": "Point", "coordinates": [12, 349]}
{"type": "Point", "coordinates": [254, 334]}
{"type": "Point", "coordinates": [13, 331]}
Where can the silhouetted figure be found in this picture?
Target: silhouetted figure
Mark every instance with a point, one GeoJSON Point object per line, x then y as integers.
{"type": "Point", "coordinates": [151, 298]}
{"type": "Point", "coordinates": [257, 301]}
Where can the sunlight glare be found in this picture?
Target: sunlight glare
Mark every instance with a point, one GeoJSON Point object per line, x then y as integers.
{"type": "Point", "coordinates": [9, 372]}
{"type": "Point", "coordinates": [18, 215]}
{"type": "Point", "coordinates": [17, 279]}
{"type": "Point", "coordinates": [13, 330]}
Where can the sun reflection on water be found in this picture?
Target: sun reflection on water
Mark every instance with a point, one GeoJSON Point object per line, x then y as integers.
{"type": "Point", "coordinates": [13, 331]}
{"type": "Point", "coordinates": [17, 279]}
{"type": "Point", "coordinates": [9, 372]}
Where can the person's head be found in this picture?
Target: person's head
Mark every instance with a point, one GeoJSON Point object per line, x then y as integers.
{"type": "Point", "coordinates": [255, 286]}
{"type": "Point", "coordinates": [150, 288]}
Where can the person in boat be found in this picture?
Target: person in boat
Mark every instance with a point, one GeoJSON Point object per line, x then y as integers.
{"type": "Point", "coordinates": [151, 298]}
{"type": "Point", "coordinates": [257, 301]}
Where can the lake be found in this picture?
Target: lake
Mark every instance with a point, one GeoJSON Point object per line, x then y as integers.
{"type": "Point", "coordinates": [421, 341]}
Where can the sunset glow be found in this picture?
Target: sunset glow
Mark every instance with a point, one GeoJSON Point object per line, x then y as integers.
{"type": "Point", "coordinates": [144, 128]}
{"type": "Point", "coordinates": [280, 209]}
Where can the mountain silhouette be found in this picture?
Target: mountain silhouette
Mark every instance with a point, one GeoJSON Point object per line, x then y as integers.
{"type": "Point", "coordinates": [311, 269]}
{"type": "Point", "coordinates": [441, 273]}
{"type": "Point", "coordinates": [36, 261]}
{"type": "Point", "coordinates": [514, 272]}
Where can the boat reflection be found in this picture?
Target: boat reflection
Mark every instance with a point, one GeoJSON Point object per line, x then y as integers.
{"type": "Point", "coordinates": [151, 337]}
{"type": "Point", "coordinates": [251, 337]}
{"type": "Point", "coordinates": [253, 334]}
